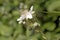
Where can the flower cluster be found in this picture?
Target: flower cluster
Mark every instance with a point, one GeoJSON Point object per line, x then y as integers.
{"type": "Point", "coordinates": [25, 14]}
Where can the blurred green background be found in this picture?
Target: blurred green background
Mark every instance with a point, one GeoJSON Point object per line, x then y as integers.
{"type": "Point", "coordinates": [47, 13]}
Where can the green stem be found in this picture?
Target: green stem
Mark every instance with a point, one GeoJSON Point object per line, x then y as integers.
{"type": "Point", "coordinates": [28, 32]}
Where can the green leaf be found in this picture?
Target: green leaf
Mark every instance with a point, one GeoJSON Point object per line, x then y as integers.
{"type": "Point", "coordinates": [5, 30]}
{"type": "Point", "coordinates": [52, 36]}
{"type": "Point", "coordinates": [56, 37]}
{"type": "Point", "coordinates": [21, 37]}
{"type": "Point", "coordinates": [15, 3]}
{"type": "Point", "coordinates": [49, 26]}
{"type": "Point", "coordinates": [1, 1]}
{"type": "Point", "coordinates": [34, 37]}
{"type": "Point", "coordinates": [57, 30]}
{"type": "Point", "coordinates": [48, 35]}
{"type": "Point", "coordinates": [19, 30]}
{"type": "Point", "coordinates": [5, 38]}
{"type": "Point", "coordinates": [53, 5]}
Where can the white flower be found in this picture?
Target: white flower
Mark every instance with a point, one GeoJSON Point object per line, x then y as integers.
{"type": "Point", "coordinates": [35, 24]}
{"type": "Point", "coordinates": [20, 22]}
{"type": "Point", "coordinates": [26, 15]}
{"type": "Point", "coordinates": [29, 15]}
{"type": "Point", "coordinates": [24, 22]}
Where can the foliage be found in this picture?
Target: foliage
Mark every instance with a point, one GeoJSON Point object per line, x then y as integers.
{"type": "Point", "coordinates": [47, 14]}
